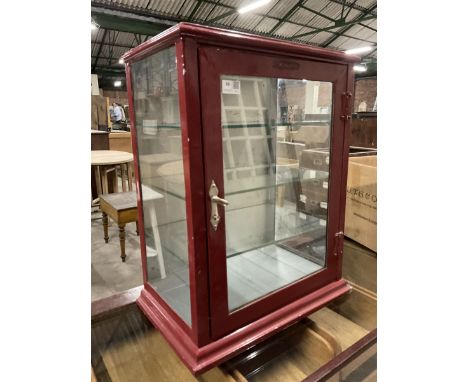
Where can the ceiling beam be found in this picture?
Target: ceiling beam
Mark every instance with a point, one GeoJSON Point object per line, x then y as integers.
{"type": "Point", "coordinates": [338, 25]}
{"type": "Point", "coordinates": [99, 50]}
{"type": "Point", "coordinates": [133, 13]}
{"type": "Point", "coordinates": [266, 14]}
{"type": "Point", "coordinates": [224, 15]}
{"type": "Point", "coordinates": [318, 13]}
{"type": "Point", "coordinates": [286, 17]}
{"type": "Point", "coordinates": [353, 6]}
{"type": "Point", "coordinates": [109, 72]}
{"type": "Point", "coordinates": [349, 26]}
{"type": "Point", "coordinates": [149, 23]}
{"type": "Point", "coordinates": [277, 19]}
{"type": "Point", "coordinates": [129, 25]}
{"type": "Point", "coordinates": [150, 14]}
{"type": "Point", "coordinates": [194, 10]}
{"type": "Point", "coordinates": [211, 11]}
{"type": "Point", "coordinates": [105, 57]}
{"type": "Point", "coordinates": [116, 45]}
{"type": "Point", "coordinates": [350, 8]}
{"type": "Point", "coordinates": [368, 27]}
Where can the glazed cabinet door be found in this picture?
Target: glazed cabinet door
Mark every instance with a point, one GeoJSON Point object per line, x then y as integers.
{"type": "Point", "coordinates": [273, 154]}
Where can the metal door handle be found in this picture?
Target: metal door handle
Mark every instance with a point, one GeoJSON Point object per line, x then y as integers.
{"type": "Point", "coordinates": [215, 200]}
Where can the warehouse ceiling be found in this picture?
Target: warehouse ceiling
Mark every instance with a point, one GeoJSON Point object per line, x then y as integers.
{"type": "Point", "coordinates": [124, 24]}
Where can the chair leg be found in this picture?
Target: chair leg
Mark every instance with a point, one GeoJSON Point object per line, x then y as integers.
{"type": "Point", "coordinates": [122, 241]}
{"type": "Point", "coordinates": [137, 230]}
{"type": "Point", "coordinates": [105, 224]}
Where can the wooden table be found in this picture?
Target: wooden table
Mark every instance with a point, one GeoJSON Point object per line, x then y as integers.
{"type": "Point", "coordinates": [106, 161]}
{"type": "Point", "coordinates": [122, 208]}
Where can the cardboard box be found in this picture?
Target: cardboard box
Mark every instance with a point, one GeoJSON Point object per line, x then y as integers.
{"type": "Point", "coordinates": [315, 159]}
{"type": "Point", "coordinates": [361, 201]}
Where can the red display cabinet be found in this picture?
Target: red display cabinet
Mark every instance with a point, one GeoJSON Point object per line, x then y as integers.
{"type": "Point", "coordinates": [241, 150]}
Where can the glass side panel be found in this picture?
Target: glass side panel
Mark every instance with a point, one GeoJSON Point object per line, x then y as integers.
{"type": "Point", "coordinates": [156, 103]}
{"type": "Point", "coordinates": [276, 146]}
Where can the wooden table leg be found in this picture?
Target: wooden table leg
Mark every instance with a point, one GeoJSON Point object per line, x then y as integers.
{"type": "Point", "coordinates": [122, 174]}
{"type": "Point", "coordinates": [122, 241]}
{"type": "Point", "coordinates": [105, 188]}
{"type": "Point", "coordinates": [97, 177]}
{"type": "Point", "coordinates": [115, 180]}
{"type": "Point", "coordinates": [105, 224]}
{"type": "Point", "coordinates": [130, 176]}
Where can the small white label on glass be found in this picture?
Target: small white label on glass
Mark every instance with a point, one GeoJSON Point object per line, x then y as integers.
{"type": "Point", "coordinates": [322, 222]}
{"type": "Point", "coordinates": [323, 205]}
{"type": "Point", "coordinates": [310, 174]}
{"type": "Point", "coordinates": [231, 87]}
{"type": "Point", "coordinates": [302, 216]}
{"type": "Point", "coordinates": [325, 185]}
{"type": "Point", "coordinates": [302, 198]}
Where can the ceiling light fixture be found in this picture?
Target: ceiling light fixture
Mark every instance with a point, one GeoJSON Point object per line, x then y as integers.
{"type": "Point", "coordinates": [252, 6]}
{"type": "Point", "coordinates": [363, 49]}
{"type": "Point", "coordinates": [359, 68]}
{"type": "Point", "coordinates": [121, 61]}
{"type": "Point", "coordinates": [94, 25]}
{"type": "Point", "coordinates": [117, 84]}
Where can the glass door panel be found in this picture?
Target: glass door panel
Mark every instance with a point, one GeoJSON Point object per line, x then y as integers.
{"type": "Point", "coordinates": [276, 146]}
{"type": "Point", "coordinates": [156, 104]}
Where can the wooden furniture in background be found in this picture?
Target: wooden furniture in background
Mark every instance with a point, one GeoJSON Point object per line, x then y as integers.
{"type": "Point", "coordinates": [122, 208]}
{"type": "Point", "coordinates": [99, 141]}
{"type": "Point", "coordinates": [121, 141]}
{"type": "Point", "coordinates": [100, 119]}
{"type": "Point", "coordinates": [105, 162]}
{"type": "Point", "coordinates": [364, 130]}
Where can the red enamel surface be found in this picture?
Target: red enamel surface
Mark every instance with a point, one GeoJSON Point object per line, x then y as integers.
{"type": "Point", "coordinates": [213, 63]}
{"type": "Point", "coordinates": [202, 54]}
{"type": "Point", "coordinates": [200, 359]}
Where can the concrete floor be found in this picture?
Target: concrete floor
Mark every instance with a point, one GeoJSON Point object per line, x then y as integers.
{"type": "Point", "coordinates": [109, 275]}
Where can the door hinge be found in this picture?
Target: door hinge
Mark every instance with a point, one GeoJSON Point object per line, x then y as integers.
{"type": "Point", "coordinates": [339, 241]}
{"type": "Point", "coordinates": [346, 108]}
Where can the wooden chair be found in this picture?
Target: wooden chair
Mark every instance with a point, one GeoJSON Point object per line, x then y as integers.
{"type": "Point", "coordinates": [122, 208]}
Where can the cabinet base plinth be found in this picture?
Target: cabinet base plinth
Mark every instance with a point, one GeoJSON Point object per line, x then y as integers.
{"type": "Point", "coordinates": [200, 359]}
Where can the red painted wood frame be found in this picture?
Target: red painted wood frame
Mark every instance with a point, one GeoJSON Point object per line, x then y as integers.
{"type": "Point", "coordinates": [192, 155]}
{"type": "Point", "coordinates": [215, 62]}
{"type": "Point", "coordinates": [198, 345]}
